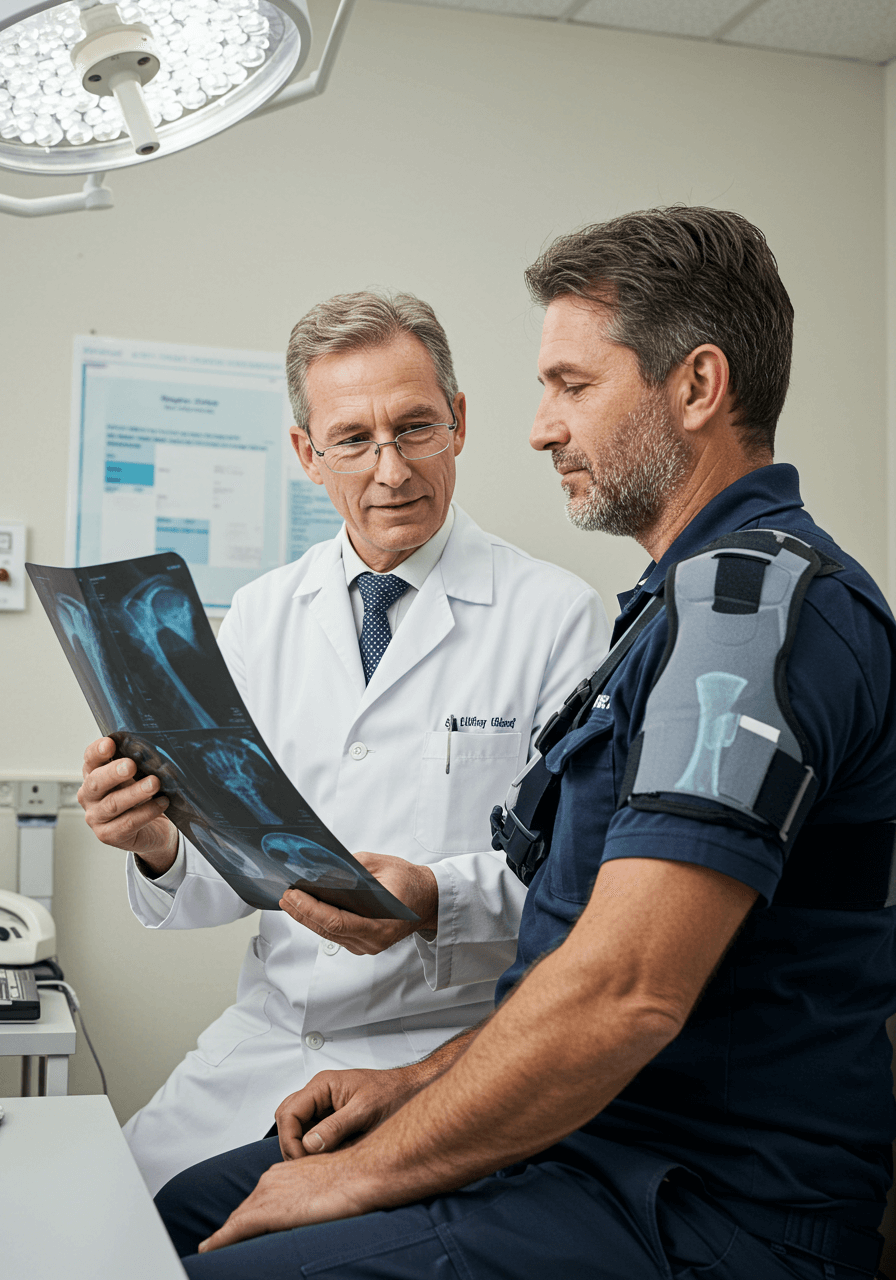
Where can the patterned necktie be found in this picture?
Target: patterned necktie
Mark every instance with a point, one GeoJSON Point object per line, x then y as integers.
{"type": "Point", "coordinates": [378, 591]}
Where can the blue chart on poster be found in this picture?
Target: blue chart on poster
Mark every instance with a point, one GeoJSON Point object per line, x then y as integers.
{"type": "Point", "coordinates": [186, 449]}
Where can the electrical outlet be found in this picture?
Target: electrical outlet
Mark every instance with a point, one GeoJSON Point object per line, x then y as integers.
{"type": "Point", "coordinates": [12, 566]}
{"type": "Point", "coordinates": [37, 799]}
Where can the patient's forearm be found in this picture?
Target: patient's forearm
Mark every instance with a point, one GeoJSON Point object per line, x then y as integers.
{"type": "Point", "coordinates": [508, 1094]}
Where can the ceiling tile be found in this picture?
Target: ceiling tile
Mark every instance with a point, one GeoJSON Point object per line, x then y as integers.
{"type": "Point", "coordinates": [863, 29]}
{"type": "Point", "coordinates": [523, 8]}
{"type": "Point", "coordinates": [665, 17]}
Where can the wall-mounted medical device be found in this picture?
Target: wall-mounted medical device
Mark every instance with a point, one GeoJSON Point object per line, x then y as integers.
{"type": "Point", "coordinates": [12, 566]}
{"type": "Point", "coordinates": [27, 931]}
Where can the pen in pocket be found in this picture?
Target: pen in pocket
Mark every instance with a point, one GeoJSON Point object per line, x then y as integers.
{"type": "Point", "coordinates": [452, 728]}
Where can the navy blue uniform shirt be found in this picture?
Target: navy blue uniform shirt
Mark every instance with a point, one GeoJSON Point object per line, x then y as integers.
{"type": "Point", "coordinates": [779, 1088]}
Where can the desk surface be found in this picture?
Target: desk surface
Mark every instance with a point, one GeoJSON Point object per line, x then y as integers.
{"type": "Point", "coordinates": [74, 1204]}
{"type": "Point", "coordinates": [53, 1033]}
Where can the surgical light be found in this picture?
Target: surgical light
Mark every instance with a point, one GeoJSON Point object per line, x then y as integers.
{"type": "Point", "coordinates": [87, 86]}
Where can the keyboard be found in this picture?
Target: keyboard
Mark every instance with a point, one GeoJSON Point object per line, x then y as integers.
{"type": "Point", "coordinates": [19, 996]}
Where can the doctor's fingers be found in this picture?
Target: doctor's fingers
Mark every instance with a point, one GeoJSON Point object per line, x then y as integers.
{"type": "Point", "coordinates": [113, 789]}
{"type": "Point", "coordinates": [326, 921]}
{"type": "Point", "coordinates": [357, 934]}
{"type": "Point", "coordinates": [117, 816]}
{"type": "Point", "coordinates": [101, 781]}
{"type": "Point", "coordinates": [96, 754]}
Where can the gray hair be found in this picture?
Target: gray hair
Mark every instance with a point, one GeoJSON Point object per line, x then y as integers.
{"type": "Point", "coordinates": [353, 321]}
{"type": "Point", "coordinates": [674, 279]}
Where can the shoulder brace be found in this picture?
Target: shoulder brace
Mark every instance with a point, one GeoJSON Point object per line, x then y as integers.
{"type": "Point", "coordinates": [718, 727]}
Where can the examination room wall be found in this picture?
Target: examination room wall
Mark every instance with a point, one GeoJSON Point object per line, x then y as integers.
{"type": "Point", "coordinates": [448, 149]}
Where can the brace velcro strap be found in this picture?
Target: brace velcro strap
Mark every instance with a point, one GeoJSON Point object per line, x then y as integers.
{"type": "Point", "coordinates": [738, 585]}
{"type": "Point", "coordinates": [786, 793]}
{"type": "Point", "coordinates": [812, 1233]}
{"type": "Point", "coordinates": [841, 866]}
{"type": "Point", "coordinates": [783, 799]}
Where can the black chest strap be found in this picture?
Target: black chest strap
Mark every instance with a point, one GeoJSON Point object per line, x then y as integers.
{"type": "Point", "coordinates": [523, 830]}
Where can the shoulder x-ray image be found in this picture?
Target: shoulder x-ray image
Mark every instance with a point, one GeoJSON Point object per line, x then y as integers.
{"type": "Point", "coordinates": [139, 643]}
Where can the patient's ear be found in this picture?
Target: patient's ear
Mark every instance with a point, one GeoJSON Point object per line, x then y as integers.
{"type": "Point", "coordinates": [698, 388]}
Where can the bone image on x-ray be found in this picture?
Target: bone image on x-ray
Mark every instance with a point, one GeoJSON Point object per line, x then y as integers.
{"type": "Point", "coordinates": [156, 605]}
{"type": "Point", "coordinates": [305, 860]}
{"type": "Point", "coordinates": [81, 634]}
{"type": "Point", "coordinates": [229, 852]}
{"type": "Point", "coordinates": [242, 769]}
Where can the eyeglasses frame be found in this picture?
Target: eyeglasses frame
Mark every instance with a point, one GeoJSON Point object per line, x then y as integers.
{"type": "Point", "coordinates": [452, 426]}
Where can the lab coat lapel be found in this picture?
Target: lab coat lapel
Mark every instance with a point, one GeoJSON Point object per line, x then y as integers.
{"type": "Point", "coordinates": [332, 610]}
{"type": "Point", "coordinates": [464, 572]}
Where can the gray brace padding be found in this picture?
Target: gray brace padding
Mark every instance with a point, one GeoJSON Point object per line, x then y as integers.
{"type": "Point", "coordinates": [718, 725]}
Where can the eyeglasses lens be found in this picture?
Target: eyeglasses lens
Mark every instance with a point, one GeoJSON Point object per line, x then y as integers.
{"type": "Point", "coordinates": [421, 442]}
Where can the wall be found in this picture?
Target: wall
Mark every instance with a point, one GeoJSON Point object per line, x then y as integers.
{"type": "Point", "coordinates": [449, 148]}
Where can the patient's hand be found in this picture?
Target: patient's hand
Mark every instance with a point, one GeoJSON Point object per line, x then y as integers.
{"type": "Point", "coordinates": [336, 1108]}
{"type": "Point", "coordinates": [413, 885]}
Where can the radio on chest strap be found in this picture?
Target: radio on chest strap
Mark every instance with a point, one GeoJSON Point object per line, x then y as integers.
{"type": "Point", "coordinates": [719, 741]}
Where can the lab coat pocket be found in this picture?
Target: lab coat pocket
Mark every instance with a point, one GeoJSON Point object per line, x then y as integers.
{"type": "Point", "coordinates": [239, 1023]}
{"type": "Point", "coordinates": [457, 793]}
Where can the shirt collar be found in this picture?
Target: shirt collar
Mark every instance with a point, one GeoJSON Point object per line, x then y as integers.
{"type": "Point", "coordinates": [418, 566]}
{"type": "Point", "coordinates": [754, 499]}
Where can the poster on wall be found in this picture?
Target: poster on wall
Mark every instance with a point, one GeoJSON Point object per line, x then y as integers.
{"type": "Point", "coordinates": [186, 449]}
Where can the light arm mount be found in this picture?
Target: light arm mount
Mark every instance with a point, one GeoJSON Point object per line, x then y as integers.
{"type": "Point", "coordinates": [313, 85]}
{"type": "Point", "coordinates": [94, 195]}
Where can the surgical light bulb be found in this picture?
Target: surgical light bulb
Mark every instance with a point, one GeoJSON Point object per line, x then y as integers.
{"type": "Point", "coordinates": [240, 50]}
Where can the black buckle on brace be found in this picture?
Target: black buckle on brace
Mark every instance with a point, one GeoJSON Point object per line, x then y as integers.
{"type": "Point", "coordinates": [524, 850]}
{"type": "Point", "coordinates": [522, 832]}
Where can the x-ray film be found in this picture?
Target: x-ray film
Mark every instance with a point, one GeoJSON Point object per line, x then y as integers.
{"type": "Point", "coordinates": [137, 638]}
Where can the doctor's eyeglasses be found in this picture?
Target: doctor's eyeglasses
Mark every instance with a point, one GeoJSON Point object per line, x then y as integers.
{"type": "Point", "coordinates": [352, 456]}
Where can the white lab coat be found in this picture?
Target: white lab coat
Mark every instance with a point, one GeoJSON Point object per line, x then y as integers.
{"type": "Point", "coordinates": [494, 638]}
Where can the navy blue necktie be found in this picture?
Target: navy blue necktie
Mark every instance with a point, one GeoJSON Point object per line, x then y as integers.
{"type": "Point", "coordinates": [378, 591]}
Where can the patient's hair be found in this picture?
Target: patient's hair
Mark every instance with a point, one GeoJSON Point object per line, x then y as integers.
{"type": "Point", "coordinates": [674, 279]}
{"type": "Point", "coordinates": [353, 321]}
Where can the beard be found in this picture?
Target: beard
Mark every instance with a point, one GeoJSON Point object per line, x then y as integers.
{"type": "Point", "coordinates": [633, 474]}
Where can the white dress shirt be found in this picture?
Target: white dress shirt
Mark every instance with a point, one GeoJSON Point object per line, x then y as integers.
{"type": "Point", "coordinates": [415, 570]}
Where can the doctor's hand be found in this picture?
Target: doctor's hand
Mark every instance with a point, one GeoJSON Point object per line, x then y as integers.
{"type": "Point", "coordinates": [123, 812]}
{"type": "Point", "coordinates": [335, 1108]}
{"type": "Point", "coordinates": [413, 885]}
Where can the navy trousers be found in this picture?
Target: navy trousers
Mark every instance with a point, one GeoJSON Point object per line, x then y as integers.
{"type": "Point", "coordinates": [586, 1209]}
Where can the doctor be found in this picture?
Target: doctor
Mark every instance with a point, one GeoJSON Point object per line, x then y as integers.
{"type": "Point", "coordinates": [399, 674]}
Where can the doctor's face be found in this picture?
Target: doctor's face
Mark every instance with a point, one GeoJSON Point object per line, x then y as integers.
{"type": "Point", "coordinates": [373, 394]}
{"type": "Point", "coordinates": [612, 436]}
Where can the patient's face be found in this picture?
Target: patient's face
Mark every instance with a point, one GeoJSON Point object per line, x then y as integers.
{"type": "Point", "coordinates": [374, 394]}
